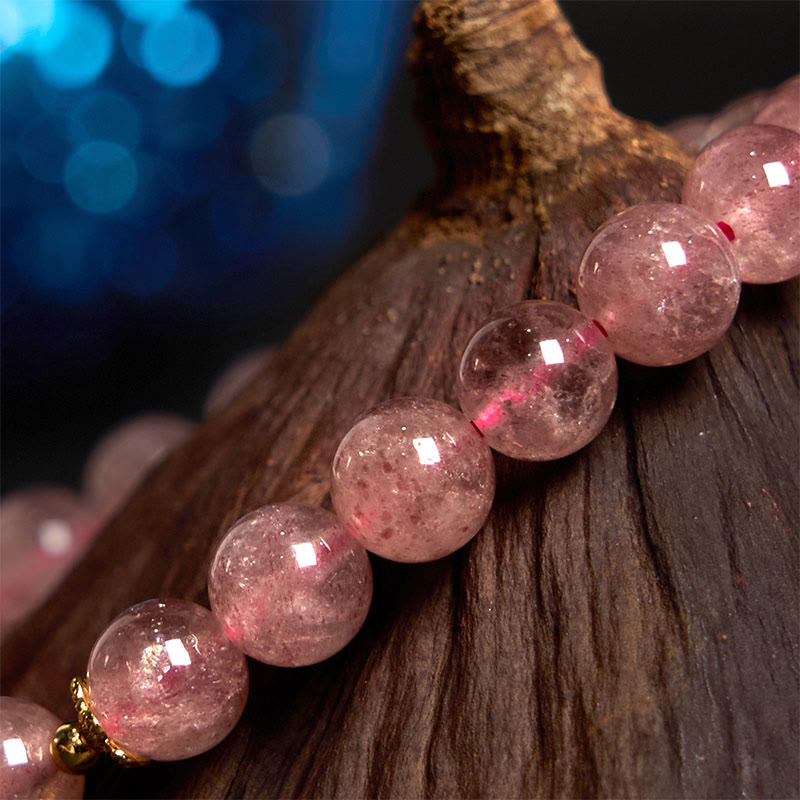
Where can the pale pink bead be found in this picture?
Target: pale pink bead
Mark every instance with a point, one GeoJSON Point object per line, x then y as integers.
{"type": "Point", "coordinates": [413, 480]}
{"type": "Point", "coordinates": [165, 682]}
{"type": "Point", "coordinates": [783, 107]}
{"type": "Point", "coordinates": [750, 179]}
{"type": "Point", "coordinates": [690, 131]}
{"type": "Point", "coordinates": [290, 585]}
{"type": "Point", "coordinates": [124, 456]}
{"type": "Point", "coordinates": [738, 112]}
{"type": "Point", "coordinates": [43, 531]}
{"type": "Point", "coordinates": [27, 769]}
{"type": "Point", "coordinates": [539, 379]}
{"type": "Point", "coordinates": [662, 281]}
{"type": "Point", "coordinates": [235, 377]}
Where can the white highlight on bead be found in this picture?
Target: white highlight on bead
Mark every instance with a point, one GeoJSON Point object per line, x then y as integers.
{"type": "Point", "coordinates": [55, 537]}
{"type": "Point", "coordinates": [776, 173]}
{"type": "Point", "coordinates": [551, 352]}
{"type": "Point", "coordinates": [427, 451]}
{"type": "Point", "coordinates": [674, 253]}
{"type": "Point", "coordinates": [15, 752]}
{"type": "Point", "coordinates": [304, 554]}
{"type": "Point", "coordinates": [178, 656]}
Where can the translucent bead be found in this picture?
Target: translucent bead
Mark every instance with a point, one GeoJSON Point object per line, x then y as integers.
{"type": "Point", "coordinates": [43, 531]}
{"type": "Point", "coordinates": [783, 107]}
{"type": "Point", "coordinates": [413, 480]}
{"type": "Point", "coordinates": [127, 453]}
{"type": "Point", "coordinates": [749, 179]}
{"type": "Point", "coordinates": [235, 377]}
{"type": "Point", "coordinates": [539, 380]}
{"type": "Point", "coordinates": [27, 769]}
{"type": "Point", "coordinates": [165, 682]}
{"type": "Point", "coordinates": [663, 282]}
{"type": "Point", "coordinates": [290, 585]}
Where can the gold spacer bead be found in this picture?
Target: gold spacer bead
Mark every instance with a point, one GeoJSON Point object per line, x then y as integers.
{"type": "Point", "coordinates": [92, 731]}
{"type": "Point", "coordinates": [70, 750]}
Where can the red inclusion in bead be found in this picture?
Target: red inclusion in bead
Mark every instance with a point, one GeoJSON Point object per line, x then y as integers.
{"type": "Point", "coordinates": [727, 230]}
{"type": "Point", "coordinates": [600, 328]}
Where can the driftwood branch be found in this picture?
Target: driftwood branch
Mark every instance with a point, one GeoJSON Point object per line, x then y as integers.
{"type": "Point", "coordinates": [626, 624]}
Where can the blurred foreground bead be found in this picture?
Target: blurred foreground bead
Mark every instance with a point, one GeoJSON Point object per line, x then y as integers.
{"type": "Point", "coordinates": [235, 377]}
{"type": "Point", "coordinates": [413, 480]}
{"type": "Point", "coordinates": [124, 456]}
{"type": "Point", "coordinates": [783, 107]}
{"type": "Point", "coordinates": [44, 530]}
{"type": "Point", "coordinates": [749, 179]}
{"type": "Point", "coordinates": [290, 585]}
{"type": "Point", "coordinates": [27, 769]}
{"type": "Point", "coordinates": [663, 282]}
{"type": "Point", "coordinates": [164, 682]}
{"type": "Point", "coordinates": [539, 380]}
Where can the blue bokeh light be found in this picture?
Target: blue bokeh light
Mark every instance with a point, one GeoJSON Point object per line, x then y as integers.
{"type": "Point", "coordinates": [100, 176]}
{"type": "Point", "coordinates": [149, 11]}
{"type": "Point", "coordinates": [182, 50]}
{"type": "Point", "coordinates": [76, 48]}
{"type": "Point", "coordinates": [43, 148]}
{"type": "Point", "coordinates": [107, 115]}
{"type": "Point", "coordinates": [290, 154]}
{"type": "Point", "coordinates": [21, 19]}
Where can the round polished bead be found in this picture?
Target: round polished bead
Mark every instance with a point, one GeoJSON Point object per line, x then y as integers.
{"type": "Point", "coordinates": [27, 769]}
{"type": "Point", "coordinates": [290, 585]}
{"type": "Point", "coordinates": [749, 178]}
{"type": "Point", "coordinates": [539, 380]}
{"type": "Point", "coordinates": [413, 480]}
{"type": "Point", "coordinates": [127, 453]}
{"type": "Point", "coordinates": [662, 281]}
{"type": "Point", "coordinates": [165, 682]}
{"type": "Point", "coordinates": [43, 531]}
{"type": "Point", "coordinates": [235, 377]}
{"type": "Point", "coordinates": [783, 107]}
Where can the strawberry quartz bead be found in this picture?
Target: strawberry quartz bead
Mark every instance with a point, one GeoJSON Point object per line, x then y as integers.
{"type": "Point", "coordinates": [663, 282]}
{"type": "Point", "coordinates": [290, 585]}
{"type": "Point", "coordinates": [749, 179]}
{"type": "Point", "coordinates": [27, 770]}
{"type": "Point", "coordinates": [539, 380]}
{"type": "Point", "coordinates": [412, 480]}
{"type": "Point", "coordinates": [783, 107]}
{"type": "Point", "coordinates": [165, 682]}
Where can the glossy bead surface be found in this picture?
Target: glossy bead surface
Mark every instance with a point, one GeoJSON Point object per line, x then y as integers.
{"type": "Point", "coordinates": [121, 459]}
{"type": "Point", "coordinates": [412, 480]}
{"type": "Point", "coordinates": [164, 681]}
{"type": "Point", "coordinates": [539, 380]}
{"type": "Point", "coordinates": [749, 178]}
{"type": "Point", "coordinates": [663, 282]}
{"type": "Point", "coordinates": [783, 107]}
{"type": "Point", "coordinates": [290, 585]}
{"type": "Point", "coordinates": [43, 531]}
{"type": "Point", "coordinates": [27, 769]}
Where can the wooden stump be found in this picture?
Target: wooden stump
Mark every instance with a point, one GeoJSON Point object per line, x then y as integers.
{"type": "Point", "coordinates": [627, 622]}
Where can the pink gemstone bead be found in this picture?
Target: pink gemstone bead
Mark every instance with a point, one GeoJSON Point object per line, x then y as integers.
{"type": "Point", "coordinates": [235, 377]}
{"type": "Point", "coordinates": [539, 380]}
{"type": "Point", "coordinates": [749, 178]}
{"type": "Point", "coordinates": [164, 681]}
{"type": "Point", "coordinates": [27, 769]}
{"type": "Point", "coordinates": [690, 131]}
{"type": "Point", "coordinates": [663, 282]}
{"type": "Point", "coordinates": [290, 585]}
{"type": "Point", "coordinates": [413, 480]}
{"type": "Point", "coordinates": [783, 107]}
{"type": "Point", "coordinates": [738, 112]}
{"type": "Point", "coordinates": [125, 455]}
{"type": "Point", "coordinates": [43, 531]}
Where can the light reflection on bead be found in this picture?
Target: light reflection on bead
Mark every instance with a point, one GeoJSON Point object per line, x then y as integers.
{"type": "Point", "coordinates": [663, 282]}
{"type": "Point", "coordinates": [290, 585]}
{"type": "Point", "coordinates": [539, 380]}
{"type": "Point", "coordinates": [750, 178]}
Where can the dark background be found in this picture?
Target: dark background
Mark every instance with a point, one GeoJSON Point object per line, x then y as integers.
{"type": "Point", "coordinates": [90, 344]}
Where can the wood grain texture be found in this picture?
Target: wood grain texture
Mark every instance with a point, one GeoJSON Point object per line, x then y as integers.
{"type": "Point", "coordinates": [626, 625]}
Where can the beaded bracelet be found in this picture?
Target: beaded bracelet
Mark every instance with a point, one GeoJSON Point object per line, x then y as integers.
{"type": "Point", "coordinates": [413, 480]}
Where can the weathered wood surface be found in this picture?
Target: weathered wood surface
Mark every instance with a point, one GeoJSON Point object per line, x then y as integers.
{"type": "Point", "coordinates": [627, 622]}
